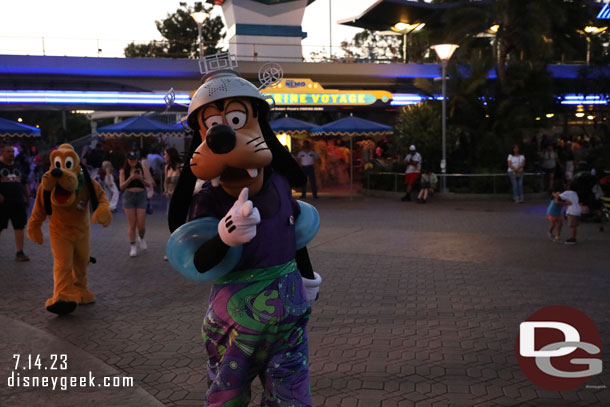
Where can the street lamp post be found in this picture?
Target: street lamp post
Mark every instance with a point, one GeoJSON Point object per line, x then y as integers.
{"type": "Point", "coordinates": [199, 17]}
{"type": "Point", "coordinates": [589, 32]}
{"type": "Point", "coordinates": [444, 52]}
{"type": "Point", "coordinates": [405, 29]}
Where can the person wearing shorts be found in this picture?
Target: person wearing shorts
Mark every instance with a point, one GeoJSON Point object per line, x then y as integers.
{"type": "Point", "coordinates": [570, 199]}
{"type": "Point", "coordinates": [135, 200]}
{"type": "Point", "coordinates": [13, 199]}
{"type": "Point", "coordinates": [133, 179]}
{"type": "Point", "coordinates": [413, 161]}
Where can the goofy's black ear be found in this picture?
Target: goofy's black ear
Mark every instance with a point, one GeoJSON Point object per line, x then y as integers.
{"type": "Point", "coordinates": [183, 193]}
{"type": "Point", "coordinates": [283, 162]}
{"type": "Point", "coordinates": [89, 185]}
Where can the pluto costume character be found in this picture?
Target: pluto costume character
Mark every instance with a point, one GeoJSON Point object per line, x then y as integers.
{"type": "Point", "coordinates": [264, 284]}
{"type": "Point", "coordinates": [63, 195]}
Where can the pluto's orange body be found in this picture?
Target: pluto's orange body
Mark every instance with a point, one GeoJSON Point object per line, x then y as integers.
{"type": "Point", "coordinates": [64, 194]}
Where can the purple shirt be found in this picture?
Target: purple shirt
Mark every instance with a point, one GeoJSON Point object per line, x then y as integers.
{"type": "Point", "coordinates": [275, 240]}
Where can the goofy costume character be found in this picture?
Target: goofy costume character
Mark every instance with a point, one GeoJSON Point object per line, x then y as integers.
{"type": "Point", "coordinates": [249, 235]}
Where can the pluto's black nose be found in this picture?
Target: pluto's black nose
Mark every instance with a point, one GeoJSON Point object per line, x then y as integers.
{"type": "Point", "coordinates": [220, 138]}
{"type": "Point", "coordinates": [56, 172]}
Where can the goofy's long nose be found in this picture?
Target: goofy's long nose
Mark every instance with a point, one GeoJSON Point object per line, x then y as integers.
{"type": "Point", "coordinates": [220, 138]}
{"type": "Point", "coordinates": [56, 172]}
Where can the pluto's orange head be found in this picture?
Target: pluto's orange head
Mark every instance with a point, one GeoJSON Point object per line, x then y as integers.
{"type": "Point", "coordinates": [64, 171]}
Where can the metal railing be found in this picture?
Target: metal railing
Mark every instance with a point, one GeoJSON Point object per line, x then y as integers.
{"type": "Point", "coordinates": [498, 183]}
{"type": "Point", "coordinates": [115, 47]}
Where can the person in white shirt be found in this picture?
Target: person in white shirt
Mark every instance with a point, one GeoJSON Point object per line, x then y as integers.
{"type": "Point", "coordinates": [516, 163]}
{"type": "Point", "coordinates": [110, 188]}
{"type": "Point", "coordinates": [307, 157]}
{"type": "Point", "coordinates": [570, 199]}
{"type": "Point", "coordinates": [412, 172]}
{"type": "Point", "coordinates": [157, 166]}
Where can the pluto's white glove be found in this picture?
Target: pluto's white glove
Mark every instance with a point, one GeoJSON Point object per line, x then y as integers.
{"type": "Point", "coordinates": [312, 287]}
{"type": "Point", "coordinates": [239, 224]}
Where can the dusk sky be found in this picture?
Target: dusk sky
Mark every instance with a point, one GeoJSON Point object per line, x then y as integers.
{"type": "Point", "coordinates": [73, 27]}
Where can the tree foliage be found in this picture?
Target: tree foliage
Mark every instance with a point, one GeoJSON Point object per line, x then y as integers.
{"type": "Point", "coordinates": [499, 89]}
{"type": "Point", "coordinates": [372, 45]}
{"type": "Point", "coordinates": [421, 125]}
{"type": "Point", "coordinates": [180, 33]}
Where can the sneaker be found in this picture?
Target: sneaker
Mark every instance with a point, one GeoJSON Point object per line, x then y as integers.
{"type": "Point", "coordinates": [406, 198]}
{"type": "Point", "coordinates": [556, 238]}
{"type": "Point", "coordinates": [570, 241]}
{"type": "Point", "coordinates": [20, 256]}
{"type": "Point", "coordinates": [133, 252]}
{"type": "Point", "coordinates": [142, 243]}
{"type": "Point", "coordinates": [550, 235]}
{"type": "Point", "coordinates": [164, 258]}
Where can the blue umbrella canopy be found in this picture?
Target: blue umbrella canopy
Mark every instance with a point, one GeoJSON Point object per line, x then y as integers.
{"type": "Point", "coordinates": [353, 126]}
{"type": "Point", "coordinates": [139, 126]}
{"type": "Point", "coordinates": [9, 128]}
{"type": "Point", "coordinates": [290, 126]}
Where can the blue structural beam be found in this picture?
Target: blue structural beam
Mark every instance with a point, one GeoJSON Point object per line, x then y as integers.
{"type": "Point", "coordinates": [109, 67]}
{"type": "Point", "coordinates": [188, 68]}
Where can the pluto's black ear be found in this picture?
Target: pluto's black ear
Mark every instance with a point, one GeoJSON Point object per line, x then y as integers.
{"type": "Point", "coordinates": [283, 162]}
{"type": "Point", "coordinates": [89, 186]}
{"type": "Point", "coordinates": [183, 193]}
{"type": "Point", "coordinates": [46, 197]}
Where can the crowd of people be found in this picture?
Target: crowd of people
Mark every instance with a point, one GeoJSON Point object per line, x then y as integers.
{"type": "Point", "coordinates": [131, 185]}
{"type": "Point", "coordinates": [134, 177]}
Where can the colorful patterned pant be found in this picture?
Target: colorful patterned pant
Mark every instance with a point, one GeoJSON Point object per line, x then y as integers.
{"type": "Point", "coordinates": [258, 329]}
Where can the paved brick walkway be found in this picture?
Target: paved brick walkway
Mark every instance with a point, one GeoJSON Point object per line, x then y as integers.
{"type": "Point", "coordinates": [420, 306]}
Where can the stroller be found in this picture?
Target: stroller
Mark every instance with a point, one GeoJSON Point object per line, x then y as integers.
{"type": "Point", "coordinates": [604, 184]}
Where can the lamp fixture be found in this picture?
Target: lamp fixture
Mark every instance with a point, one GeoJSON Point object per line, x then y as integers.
{"type": "Point", "coordinates": [590, 29]}
{"type": "Point", "coordinates": [444, 51]}
{"type": "Point", "coordinates": [199, 16]}
{"type": "Point", "coordinates": [402, 27]}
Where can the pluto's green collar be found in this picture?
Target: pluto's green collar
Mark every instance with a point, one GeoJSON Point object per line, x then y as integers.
{"type": "Point", "coordinates": [81, 182]}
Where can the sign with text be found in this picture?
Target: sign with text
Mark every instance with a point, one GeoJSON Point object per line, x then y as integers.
{"type": "Point", "coordinates": [305, 92]}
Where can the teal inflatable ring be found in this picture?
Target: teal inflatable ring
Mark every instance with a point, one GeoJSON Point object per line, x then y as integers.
{"type": "Point", "coordinates": [307, 224]}
{"type": "Point", "coordinates": [185, 241]}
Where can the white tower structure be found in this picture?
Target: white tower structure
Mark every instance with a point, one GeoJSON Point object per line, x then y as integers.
{"type": "Point", "coordinates": [265, 30]}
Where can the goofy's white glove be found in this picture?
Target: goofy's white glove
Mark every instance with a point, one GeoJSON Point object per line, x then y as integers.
{"type": "Point", "coordinates": [239, 224]}
{"type": "Point", "coordinates": [312, 287]}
